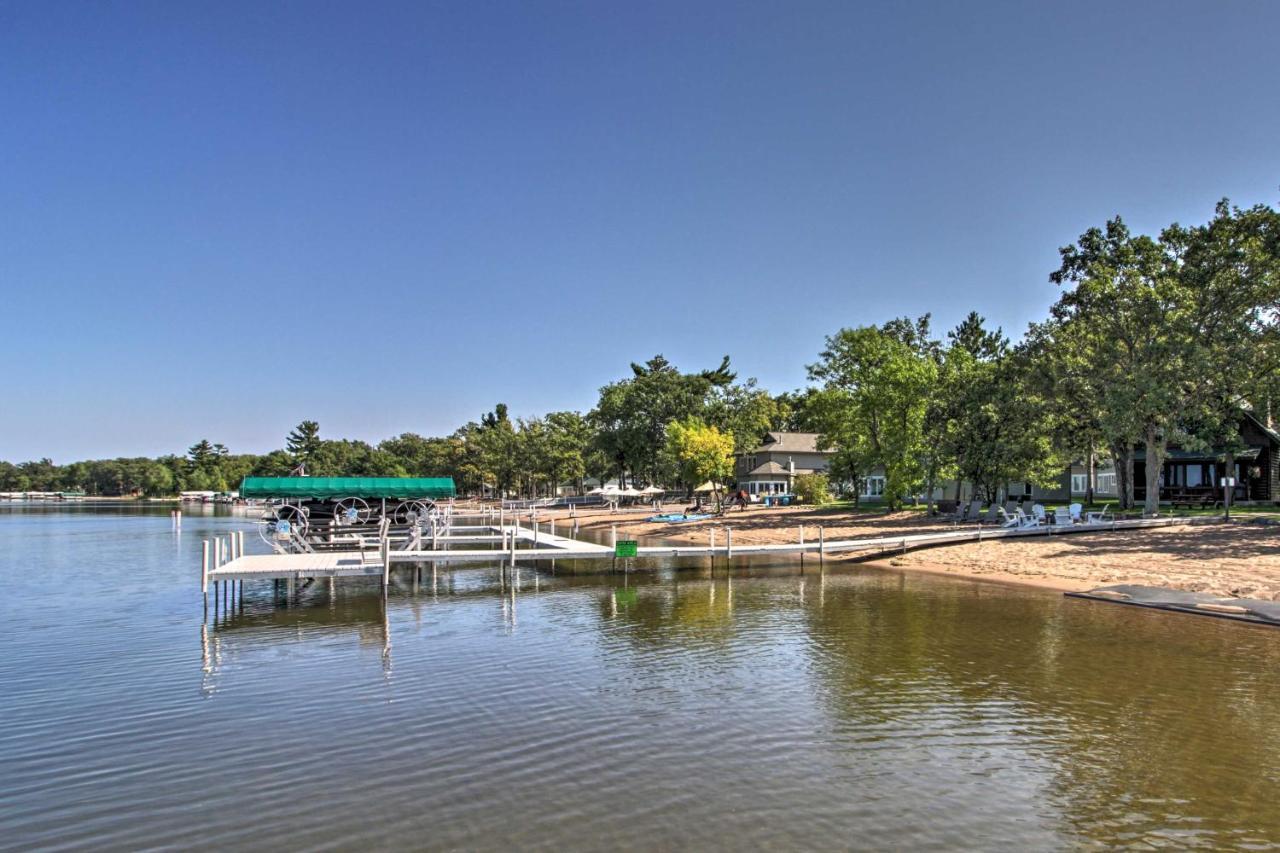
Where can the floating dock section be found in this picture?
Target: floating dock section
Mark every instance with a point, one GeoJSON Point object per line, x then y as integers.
{"type": "Point", "coordinates": [1257, 611]}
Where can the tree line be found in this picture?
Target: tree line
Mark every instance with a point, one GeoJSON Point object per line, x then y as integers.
{"type": "Point", "coordinates": [1153, 340]}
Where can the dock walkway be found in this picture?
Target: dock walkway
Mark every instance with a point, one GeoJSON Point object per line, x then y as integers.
{"type": "Point", "coordinates": [509, 543]}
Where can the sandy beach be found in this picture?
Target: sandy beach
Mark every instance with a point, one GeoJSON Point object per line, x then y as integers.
{"type": "Point", "coordinates": [1237, 559]}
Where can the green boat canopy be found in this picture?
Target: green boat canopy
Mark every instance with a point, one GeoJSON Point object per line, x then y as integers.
{"type": "Point", "coordinates": [347, 487]}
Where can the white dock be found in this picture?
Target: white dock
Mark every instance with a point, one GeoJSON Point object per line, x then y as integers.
{"type": "Point", "coordinates": [515, 542]}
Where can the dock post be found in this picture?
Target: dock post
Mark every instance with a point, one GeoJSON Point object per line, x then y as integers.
{"type": "Point", "coordinates": [533, 519]}
{"type": "Point", "coordinates": [240, 536]}
{"type": "Point", "coordinates": [728, 542]}
{"type": "Point", "coordinates": [613, 537]}
{"type": "Point", "coordinates": [204, 571]}
{"type": "Point", "coordinates": [822, 544]}
{"type": "Point", "coordinates": [552, 524]}
{"type": "Point", "coordinates": [385, 547]}
{"type": "Point", "coordinates": [802, 539]}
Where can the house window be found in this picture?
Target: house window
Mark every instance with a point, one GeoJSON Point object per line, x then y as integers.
{"type": "Point", "coordinates": [1107, 483]}
{"type": "Point", "coordinates": [1079, 484]}
{"type": "Point", "coordinates": [873, 487]}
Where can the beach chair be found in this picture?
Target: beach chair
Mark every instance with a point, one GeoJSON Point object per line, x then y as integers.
{"type": "Point", "coordinates": [993, 514]}
{"type": "Point", "coordinates": [1062, 517]}
{"type": "Point", "coordinates": [1102, 517]}
{"type": "Point", "coordinates": [1075, 510]}
{"type": "Point", "coordinates": [1011, 519]}
{"type": "Point", "coordinates": [1011, 507]}
{"type": "Point", "coordinates": [1036, 518]}
{"type": "Point", "coordinates": [975, 511]}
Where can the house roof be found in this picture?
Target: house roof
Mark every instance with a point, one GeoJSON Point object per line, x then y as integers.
{"type": "Point", "coordinates": [1261, 424]}
{"type": "Point", "coordinates": [1212, 455]}
{"type": "Point", "coordinates": [790, 442]}
{"type": "Point", "coordinates": [768, 468]}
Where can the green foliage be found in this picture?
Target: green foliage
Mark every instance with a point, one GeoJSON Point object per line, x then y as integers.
{"type": "Point", "coordinates": [700, 451]}
{"type": "Point", "coordinates": [304, 442]}
{"type": "Point", "coordinates": [880, 379]}
{"type": "Point", "coordinates": [993, 426]}
{"type": "Point", "coordinates": [630, 420]}
{"type": "Point", "coordinates": [812, 489]}
{"type": "Point", "coordinates": [1169, 337]}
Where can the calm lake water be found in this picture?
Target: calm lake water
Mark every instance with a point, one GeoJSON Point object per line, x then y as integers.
{"type": "Point", "coordinates": [666, 710]}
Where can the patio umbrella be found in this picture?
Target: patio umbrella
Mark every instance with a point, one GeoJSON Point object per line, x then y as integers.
{"type": "Point", "coordinates": [710, 487]}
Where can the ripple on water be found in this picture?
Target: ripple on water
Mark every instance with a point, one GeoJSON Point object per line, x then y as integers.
{"type": "Point", "coordinates": [663, 710]}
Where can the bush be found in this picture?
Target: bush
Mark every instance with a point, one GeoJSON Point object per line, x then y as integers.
{"type": "Point", "coordinates": [813, 489]}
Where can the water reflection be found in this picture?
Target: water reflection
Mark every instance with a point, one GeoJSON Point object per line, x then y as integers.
{"type": "Point", "coordinates": [707, 708]}
{"type": "Point", "coordinates": [1104, 724]}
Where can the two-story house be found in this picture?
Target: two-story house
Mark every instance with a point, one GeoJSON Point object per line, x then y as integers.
{"type": "Point", "coordinates": [772, 467]}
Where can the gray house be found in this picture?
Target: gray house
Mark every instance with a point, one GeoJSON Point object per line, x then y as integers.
{"type": "Point", "coordinates": [772, 467]}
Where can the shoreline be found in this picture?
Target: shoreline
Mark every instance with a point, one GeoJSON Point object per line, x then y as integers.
{"type": "Point", "coordinates": [1236, 559]}
{"type": "Point", "coordinates": [1046, 583]}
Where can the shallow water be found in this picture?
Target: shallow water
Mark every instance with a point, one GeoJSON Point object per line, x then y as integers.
{"type": "Point", "coordinates": [761, 707]}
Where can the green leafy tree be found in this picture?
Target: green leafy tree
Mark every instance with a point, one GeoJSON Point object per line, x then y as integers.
{"type": "Point", "coordinates": [744, 411]}
{"type": "Point", "coordinates": [994, 427]}
{"type": "Point", "coordinates": [1126, 315]}
{"type": "Point", "coordinates": [884, 376]}
{"type": "Point", "coordinates": [632, 415]}
{"type": "Point", "coordinates": [495, 442]}
{"type": "Point", "coordinates": [701, 452]}
{"type": "Point", "coordinates": [1230, 271]}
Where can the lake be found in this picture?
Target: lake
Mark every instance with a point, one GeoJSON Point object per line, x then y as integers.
{"type": "Point", "coordinates": [764, 706]}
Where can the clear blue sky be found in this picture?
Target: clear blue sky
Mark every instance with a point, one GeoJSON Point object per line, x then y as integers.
{"type": "Point", "coordinates": [219, 219]}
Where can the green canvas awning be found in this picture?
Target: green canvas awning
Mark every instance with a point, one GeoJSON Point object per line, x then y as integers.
{"type": "Point", "coordinates": [403, 488]}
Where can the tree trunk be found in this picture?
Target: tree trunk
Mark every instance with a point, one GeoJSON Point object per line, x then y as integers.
{"type": "Point", "coordinates": [1229, 470]}
{"type": "Point", "coordinates": [1155, 461]}
{"type": "Point", "coordinates": [1090, 474]}
{"type": "Point", "coordinates": [928, 486]}
{"type": "Point", "coordinates": [1122, 455]}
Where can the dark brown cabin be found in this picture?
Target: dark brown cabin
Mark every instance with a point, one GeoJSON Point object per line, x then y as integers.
{"type": "Point", "coordinates": [1193, 475]}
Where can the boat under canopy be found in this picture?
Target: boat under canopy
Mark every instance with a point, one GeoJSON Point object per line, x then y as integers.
{"type": "Point", "coordinates": [325, 488]}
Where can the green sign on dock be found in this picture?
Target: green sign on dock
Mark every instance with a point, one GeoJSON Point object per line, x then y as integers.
{"type": "Point", "coordinates": [625, 548]}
